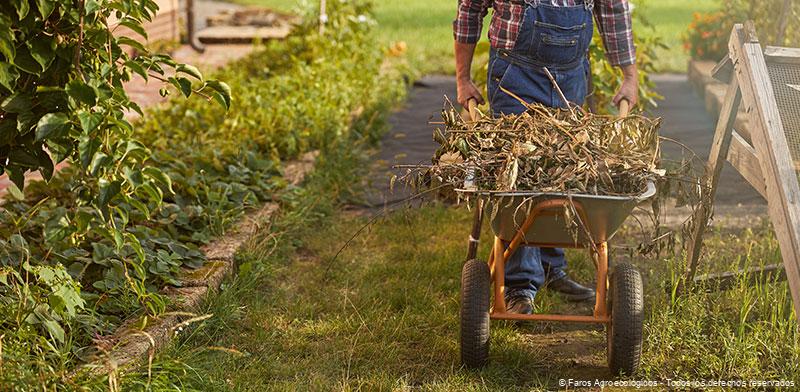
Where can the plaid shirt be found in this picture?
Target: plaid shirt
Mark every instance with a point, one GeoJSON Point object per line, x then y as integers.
{"type": "Point", "coordinates": [613, 22]}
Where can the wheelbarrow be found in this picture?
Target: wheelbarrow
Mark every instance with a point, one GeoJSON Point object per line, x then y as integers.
{"type": "Point", "coordinates": [538, 219]}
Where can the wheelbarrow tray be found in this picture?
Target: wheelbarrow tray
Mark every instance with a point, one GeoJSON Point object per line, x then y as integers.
{"type": "Point", "coordinates": [596, 218]}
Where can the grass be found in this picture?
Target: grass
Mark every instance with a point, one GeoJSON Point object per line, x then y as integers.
{"type": "Point", "coordinates": [426, 26]}
{"type": "Point", "coordinates": [384, 316]}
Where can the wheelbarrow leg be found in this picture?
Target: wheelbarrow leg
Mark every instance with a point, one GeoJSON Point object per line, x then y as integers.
{"type": "Point", "coordinates": [600, 309]}
{"type": "Point", "coordinates": [475, 235]}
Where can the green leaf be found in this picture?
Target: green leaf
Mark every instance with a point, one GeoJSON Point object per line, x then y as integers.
{"type": "Point", "coordinates": [91, 6]}
{"type": "Point", "coordinates": [87, 147]}
{"type": "Point", "coordinates": [183, 85]}
{"type": "Point", "coordinates": [19, 102]}
{"type": "Point", "coordinates": [108, 189]}
{"type": "Point", "coordinates": [223, 95]}
{"type": "Point", "coordinates": [158, 175]}
{"type": "Point", "coordinates": [17, 175]}
{"type": "Point", "coordinates": [82, 92]}
{"type": "Point", "coordinates": [90, 121]}
{"type": "Point", "coordinates": [7, 48]}
{"type": "Point", "coordinates": [52, 125]}
{"type": "Point", "coordinates": [99, 161]}
{"type": "Point", "coordinates": [132, 43]}
{"type": "Point", "coordinates": [22, 7]}
{"type": "Point", "coordinates": [46, 7]}
{"type": "Point", "coordinates": [55, 330]}
{"type": "Point", "coordinates": [8, 76]}
{"type": "Point", "coordinates": [133, 25]}
{"type": "Point", "coordinates": [26, 62]}
{"type": "Point", "coordinates": [14, 191]}
{"type": "Point", "coordinates": [42, 50]}
{"type": "Point", "coordinates": [136, 67]}
{"type": "Point", "coordinates": [46, 166]}
{"type": "Point", "coordinates": [189, 70]}
{"type": "Point", "coordinates": [23, 158]}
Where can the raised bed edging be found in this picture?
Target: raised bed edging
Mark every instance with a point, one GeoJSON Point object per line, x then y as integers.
{"type": "Point", "coordinates": [133, 344]}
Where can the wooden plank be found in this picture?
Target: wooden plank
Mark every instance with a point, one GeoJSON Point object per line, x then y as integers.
{"type": "Point", "coordinates": [726, 280]}
{"type": "Point", "coordinates": [723, 71]}
{"type": "Point", "coordinates": [777, 54]}
{"type": "Point", "coordinates": [769, 140]}
{"type": "Point", "coordinates": [242, 34]}
{"type": "Point", "coordinates": [716, 159]}
{"type": "Point", "coordinates": [742, 157]}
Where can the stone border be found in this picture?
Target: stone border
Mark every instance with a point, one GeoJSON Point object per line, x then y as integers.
{"type": "Point", "coordinates": [713, 93]}
{"type": "Point", "coordinates": [131, 344]}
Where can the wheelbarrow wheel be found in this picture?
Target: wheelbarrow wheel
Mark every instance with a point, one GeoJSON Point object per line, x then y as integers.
{"type": "Point", "coordinates": [624, 333]}
{"type": "Point", "coordinates": [475, 281]}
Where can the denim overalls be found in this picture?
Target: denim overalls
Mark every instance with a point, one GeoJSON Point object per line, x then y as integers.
{"type": "Point", "coordinates": [557, 38]}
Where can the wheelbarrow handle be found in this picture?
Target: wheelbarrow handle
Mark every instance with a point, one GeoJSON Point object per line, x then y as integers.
{"type": "Point", "coordinates": [624, 108]}
{"type": "Point", "coordinates": [472, 108]}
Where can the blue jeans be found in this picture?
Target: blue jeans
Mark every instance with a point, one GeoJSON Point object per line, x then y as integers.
{"type": "Point", "coordinates": [557, 38]}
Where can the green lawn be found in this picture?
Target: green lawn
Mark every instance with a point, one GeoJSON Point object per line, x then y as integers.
{"type": "Point", "coordinates": [426, 27]}
{"type": "Point", "coordinates": [383, 315]}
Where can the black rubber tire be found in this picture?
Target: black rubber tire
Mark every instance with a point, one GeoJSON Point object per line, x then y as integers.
{"type": "Point", "coordinates": [624, 334]}
{"type": "Point", "coordinates": [475, 286]}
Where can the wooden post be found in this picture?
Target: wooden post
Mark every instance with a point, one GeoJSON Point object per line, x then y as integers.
{"type": "Point", "coordinates": [716, 160]}
{"type": "Point", "coordinates": [769, 140]}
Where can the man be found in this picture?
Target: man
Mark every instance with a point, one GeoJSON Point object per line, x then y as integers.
{"type": "Point", "coordinates": [527, 36]}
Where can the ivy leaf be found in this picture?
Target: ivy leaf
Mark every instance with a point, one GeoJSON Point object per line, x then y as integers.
{"type": "Point", "coordinates": [82, 92]}
{"type": "Point", "coordinates": [91, 6]}
{"type": "Point", "coordinates": [46, 7]}
{"type": "Point", "coordinates": [26, 62]}
{"type": "Point", "coordinates": [108, 189]}
{"type": "Point", "coordinates": [90, 121]}
{"type": "Point", "coordinates": [87, 147]}
{"type": "Point", "coordinates": [7, 39]}
{"type": "Point", "coordinates": [23, 158]}
{"type": "Point", "coordinates": [46, 167]}
{"type": "Point", "coordinates": [16, 174]}
{"type": "Point", "coordinates": [99, 161]}
{"type": "Point", "coordinates": [8, 76]}
{"type": "Point", "coordinates": [19, 102]}
{"type": "Point", "coordinates": [52, 125]}
{"type": "Point", "coordinates": [189, 70]}
{"type": "Point", "coordinates": [41, 50]}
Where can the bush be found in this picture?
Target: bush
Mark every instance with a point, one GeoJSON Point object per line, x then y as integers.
{"type": "Point", "coordinates": [708, 34]}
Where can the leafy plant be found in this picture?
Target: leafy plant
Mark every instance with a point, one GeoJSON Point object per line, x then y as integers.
{"type": "Point", "coordinates": [708, 34]}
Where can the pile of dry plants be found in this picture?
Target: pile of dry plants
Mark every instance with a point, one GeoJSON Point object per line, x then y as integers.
{"type": "Point", "coordinates": [544, 150]}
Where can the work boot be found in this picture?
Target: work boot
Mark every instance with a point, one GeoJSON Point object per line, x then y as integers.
{"type": "Point", "coordinates": [571, 290]}
{"type": "Point", "coordinates": [521, 305]}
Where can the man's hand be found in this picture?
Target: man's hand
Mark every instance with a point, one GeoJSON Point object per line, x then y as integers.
{"type": "Point", "coordinates": [466, 91]}
{"type": "Point", "coordinates": [630, 86]}
{"type": "Point", "coordinates": [464, 86]}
